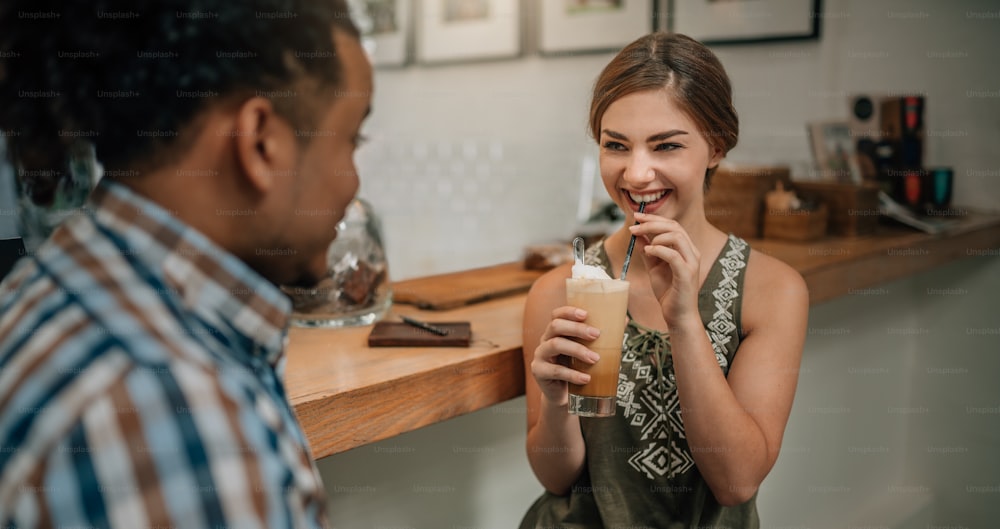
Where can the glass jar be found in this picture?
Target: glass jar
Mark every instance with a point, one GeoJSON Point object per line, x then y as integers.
{"type": "Point", "coordinates": [356, 290]}
{"type": "Point", "coordinates": [47, 197]}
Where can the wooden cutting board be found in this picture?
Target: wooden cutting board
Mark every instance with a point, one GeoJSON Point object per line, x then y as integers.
{"type": "Point", "coordinates": [447, 291]}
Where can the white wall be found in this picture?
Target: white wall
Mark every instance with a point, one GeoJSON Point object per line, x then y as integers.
{"type": "Point", "coordinates": [468, 472]}
{"type": "Point", "coordinates": [471, 162]}
{"type": "Point", "coordinates": [956, 431]}
{"type": "Point", "coordinates": [897, 407]}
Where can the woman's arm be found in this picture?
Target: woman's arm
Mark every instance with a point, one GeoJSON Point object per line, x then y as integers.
{"type": "Point", "coordinates": [734, 425]}
{"type": "Point", "coordinates": [555, 446]}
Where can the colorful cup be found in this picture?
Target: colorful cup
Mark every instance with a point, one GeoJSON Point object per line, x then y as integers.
{"type": "Point", "coordinates": [938, 186]}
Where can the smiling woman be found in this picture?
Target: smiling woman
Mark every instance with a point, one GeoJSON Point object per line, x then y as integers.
{"type": "Point", "coordinates": [715, 329]}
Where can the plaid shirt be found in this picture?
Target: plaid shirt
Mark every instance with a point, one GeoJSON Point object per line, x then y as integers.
{"type": "Point", "coordinates": [140, 382]}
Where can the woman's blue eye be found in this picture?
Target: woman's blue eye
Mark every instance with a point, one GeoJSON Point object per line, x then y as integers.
{"type": "Point", "coordinates": [613, 146]}
{"type": "Point", "coordinates": [667, 146]}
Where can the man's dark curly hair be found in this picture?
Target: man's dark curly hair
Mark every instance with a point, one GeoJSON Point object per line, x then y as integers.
{"type": "Point", "coordinates": [130, 75]}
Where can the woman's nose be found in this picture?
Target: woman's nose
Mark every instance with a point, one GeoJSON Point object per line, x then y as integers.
{"type": "Point", "coordinates": [639, 171]}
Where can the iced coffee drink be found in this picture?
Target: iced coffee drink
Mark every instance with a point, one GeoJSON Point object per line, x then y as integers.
{"type": "Point", "coordinates": [606, 303]}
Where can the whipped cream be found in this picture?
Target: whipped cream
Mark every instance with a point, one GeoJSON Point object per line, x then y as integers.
{"type": "Point", "coordinates": [583, 271]}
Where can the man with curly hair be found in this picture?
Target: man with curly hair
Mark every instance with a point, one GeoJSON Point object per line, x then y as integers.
{"type": "Point", "coordinates": [141, 345]}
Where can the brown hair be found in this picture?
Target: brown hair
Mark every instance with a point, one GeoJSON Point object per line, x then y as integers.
{"type": "Point", "coordinates": [691, 72]}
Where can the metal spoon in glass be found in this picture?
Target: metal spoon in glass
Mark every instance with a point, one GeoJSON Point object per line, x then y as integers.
{"type": "Point", "coordinates": [578, 250]}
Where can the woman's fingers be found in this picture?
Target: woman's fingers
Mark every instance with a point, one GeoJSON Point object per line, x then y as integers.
{"type": "Point", "coordinates": [573, 329]}
{"type": "Point", "coordinates": [659, 231]}
{"type": "Point", "coordinates": [552, 349]}
{"type": "Point", "coordinates": [561, 341]}
{"type": "Point", "coordinates": [665, 253]}
{"type": "Point", "coordinates": [569, 313]}
{"type": "Point", "coordinates": [551, 371]}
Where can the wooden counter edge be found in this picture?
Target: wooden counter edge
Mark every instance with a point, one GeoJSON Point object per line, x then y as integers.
{"type": "Point", "coordinates": [896, 262]}
{"type": "Point", "coordinates": [336, 423]}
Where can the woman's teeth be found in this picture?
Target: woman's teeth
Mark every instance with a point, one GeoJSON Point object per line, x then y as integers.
{"type": "Point", "coordinates": [648, 197]}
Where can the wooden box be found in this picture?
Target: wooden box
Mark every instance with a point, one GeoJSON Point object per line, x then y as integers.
{"type": "Point", "coordinates": [853, 207]}
{"type": "Point", "coordinates": [734, 202]}
{"type": "Point", "coordinates": [796, 225]}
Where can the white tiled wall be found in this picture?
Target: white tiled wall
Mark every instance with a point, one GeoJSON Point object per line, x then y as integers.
{"type": "Point", "coordinates": [471, 162]}
{"type": "Point", "coordinates": [467, 164]}
{"type": "Point", "coordinates": [452, 204]}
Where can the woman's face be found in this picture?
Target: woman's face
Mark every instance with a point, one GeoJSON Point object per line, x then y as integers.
{"type": "Point", "coordinates": [652, 152]}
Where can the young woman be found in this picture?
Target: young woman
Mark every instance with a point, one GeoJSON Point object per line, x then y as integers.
{"type": "Point", "coordinates": [715, 329]}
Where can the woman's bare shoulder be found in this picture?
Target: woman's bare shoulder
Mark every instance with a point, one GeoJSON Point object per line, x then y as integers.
{"type": "Point", "coordinates": [550, 288]}
{"type": "Point", "coordinates": [771, 288]}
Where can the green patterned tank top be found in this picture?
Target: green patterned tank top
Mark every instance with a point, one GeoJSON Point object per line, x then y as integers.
{"type": "Point", "coordinates": [640, 472]}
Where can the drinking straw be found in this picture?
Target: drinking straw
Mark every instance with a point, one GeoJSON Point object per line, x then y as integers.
{"type": "Point", "coordinates": [631, 245]}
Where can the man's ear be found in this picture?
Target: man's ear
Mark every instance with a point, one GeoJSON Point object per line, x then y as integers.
{"type": "Point", "coordinates": [264, 143]}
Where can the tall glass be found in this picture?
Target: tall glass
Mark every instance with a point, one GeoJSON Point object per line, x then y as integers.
{"type": "Point", "coordinates": [606, 303]}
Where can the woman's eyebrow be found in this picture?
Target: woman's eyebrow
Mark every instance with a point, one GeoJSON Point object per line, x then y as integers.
{"type": "Point", "coordinates": [660, 136]}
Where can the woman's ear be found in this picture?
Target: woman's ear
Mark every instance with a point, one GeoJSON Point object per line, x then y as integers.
{"type": "Point", "coordinates": [264, 143]}
{"type": "Point", "coordinates": [716, 158]}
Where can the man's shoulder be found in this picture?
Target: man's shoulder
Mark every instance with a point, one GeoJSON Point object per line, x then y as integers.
{"type": "Point", "coordinates": [73, 307]}
{"type": "Point", "coordinates": [52, 344]}
{"type": "Point", "coordinates": [82, 268]}
{"type": "Point", "coordinates": [55, 366]}
{"type": "Point", "coordinates": [49, 372]}
{"type": "Point", "coordinates": [64, 316]}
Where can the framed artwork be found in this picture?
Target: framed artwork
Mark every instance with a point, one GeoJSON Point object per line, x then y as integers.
{"type": "Point", "coordinates": [386, 28]}
{"type": "Point", "coordinates": [834, 151]}
{"type": "Point", "coordinates": [463, 30]}
{"type": "Point", "coordinates": [745, 21]}
{"type": "Point", "coordinates": [568, 26]}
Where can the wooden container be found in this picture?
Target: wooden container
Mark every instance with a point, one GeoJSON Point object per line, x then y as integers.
{"type": "Point", "coordinates": [795, 224]}
{"type": "Point", "coordinates": [853, 207]}
{"type": "Point", "coordinates": [734, 202]}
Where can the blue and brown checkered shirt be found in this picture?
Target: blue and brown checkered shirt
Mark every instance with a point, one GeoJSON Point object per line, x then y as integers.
{"type": "Point", "coordinates": [140, 382]}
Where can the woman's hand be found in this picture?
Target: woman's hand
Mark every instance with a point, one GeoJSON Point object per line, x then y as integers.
{"type": "Point", "coordinates": [550, 365]}
{"type": "Point", "coordinates": [673, 264]}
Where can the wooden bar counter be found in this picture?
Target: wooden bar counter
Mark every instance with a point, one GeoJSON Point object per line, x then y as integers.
{"type": "Point", "coordinates": [347, 394]}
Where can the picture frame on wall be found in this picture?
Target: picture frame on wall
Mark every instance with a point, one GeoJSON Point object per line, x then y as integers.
{"type": "Point", "coordinates": [834, 151]}
{"type": "Point", "coordinates": [744, 21]}
{"type": "Point", "coordinates": [467, 30]}
{"type": "Point", "coordinates": [570, 26]}
{"type": "Point", "coordinates": [386, 27]}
